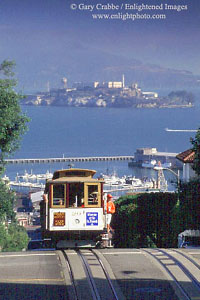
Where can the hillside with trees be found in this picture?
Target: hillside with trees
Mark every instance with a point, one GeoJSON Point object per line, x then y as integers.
{"type": "Point", "coordinates": [13, 124]}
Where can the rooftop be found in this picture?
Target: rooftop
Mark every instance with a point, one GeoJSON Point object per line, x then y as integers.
{"type": "Point", "coordinates": [186, 156]}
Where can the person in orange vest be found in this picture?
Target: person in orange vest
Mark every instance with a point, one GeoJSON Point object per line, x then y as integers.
{"type": "Point", "coordinates": [110, 208]}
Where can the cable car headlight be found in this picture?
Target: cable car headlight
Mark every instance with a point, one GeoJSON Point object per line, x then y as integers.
{"type": "Point", "coordinates": [77, 221]}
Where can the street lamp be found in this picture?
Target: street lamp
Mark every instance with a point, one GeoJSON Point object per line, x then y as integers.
{"type": "Point", "coordinates": [176, 174]}
{"type": "Point", "coordinates": [178, 182]}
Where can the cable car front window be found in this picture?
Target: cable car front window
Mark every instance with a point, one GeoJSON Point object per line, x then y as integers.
{"type": "Point", "coordinates": [58, 195]}
{"type": "Point", "coordinates": [76, 194]}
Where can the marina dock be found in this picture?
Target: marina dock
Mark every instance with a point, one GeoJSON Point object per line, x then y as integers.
{"type": "Point", "coordinates": [68, 159]}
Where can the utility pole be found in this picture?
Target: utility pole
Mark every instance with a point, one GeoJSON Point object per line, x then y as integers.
{"type": "Point", "coordinates": [161, 181]}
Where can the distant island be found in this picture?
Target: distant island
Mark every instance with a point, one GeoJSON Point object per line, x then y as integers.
{"type": "Point", "coordinates": [108, 94]}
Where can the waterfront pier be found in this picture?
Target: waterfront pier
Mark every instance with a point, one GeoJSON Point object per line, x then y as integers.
{"type": "Point", "coordinates": [68, 159]}
{"type": "Point", "coordinates": [147, 154]}
{"type": "Point", "coordinates": [141, 155]}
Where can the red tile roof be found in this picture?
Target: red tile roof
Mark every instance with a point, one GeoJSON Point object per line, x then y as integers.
{"type": "Point", "coordinates": [186, 156]}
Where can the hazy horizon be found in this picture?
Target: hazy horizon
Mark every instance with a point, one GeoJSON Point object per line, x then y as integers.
{"type": "Point", "coordinates": [48, 39]}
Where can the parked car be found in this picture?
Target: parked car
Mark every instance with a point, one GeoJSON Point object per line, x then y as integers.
{"type": "Point", "coordinates": [189, 245]}
{"type": "Point", "coordinates": [40, 245]}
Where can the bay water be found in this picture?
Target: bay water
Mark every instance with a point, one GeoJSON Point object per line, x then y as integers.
{"type": "Point", "coordinates": [79, 132]}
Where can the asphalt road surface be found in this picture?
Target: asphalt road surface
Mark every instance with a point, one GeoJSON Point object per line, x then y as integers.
{"type": "Point", "coordinates": [31, 276]}
{"type": "Point", "coordinates": [41, 275]}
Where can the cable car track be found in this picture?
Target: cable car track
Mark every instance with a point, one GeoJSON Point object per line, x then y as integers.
{"type": "Point", "coordinates": [107, 275]}
{"type": "Point", "coordinates": [95, 293]}
{"type": "Point", "coordinates": [88, 276]}
{"type": "Point", "coordinates": [71, 275]}
{"type": "Point", "coordinates": [189, 258]}
{"type": "Point", "coordinates": [179, 267]}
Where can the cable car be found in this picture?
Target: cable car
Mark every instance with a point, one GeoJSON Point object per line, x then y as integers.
{"type": "Point", "coordinates": [72, 210]}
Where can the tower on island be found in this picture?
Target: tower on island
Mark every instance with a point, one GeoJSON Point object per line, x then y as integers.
{"type": "Point", "coordinates": [64, 81]}
{"type": "Point", "coordinates": [123, 81]}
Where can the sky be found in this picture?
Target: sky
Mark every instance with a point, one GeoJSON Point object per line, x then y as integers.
{"type": "Point", "coordinates": [55, 38]}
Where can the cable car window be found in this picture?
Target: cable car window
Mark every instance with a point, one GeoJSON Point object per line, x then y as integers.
{"type": "Point", "coordinates": [76, 194]}
{"type": "Point", "coordinates": [92, 195]}
{"type": "Point", "coordinates": [58, 198]}
{"type": "Point", "coordinates": [75, 173]}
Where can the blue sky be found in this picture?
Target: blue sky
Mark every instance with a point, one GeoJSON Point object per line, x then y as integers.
{"type": "Point", "coordinates": [40, 35]}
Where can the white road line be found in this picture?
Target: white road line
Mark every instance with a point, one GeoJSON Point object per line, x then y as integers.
{"type": "Point", "coordinates": [27, 255]}
{"type": "Point", "coordinates": [108, 253]}
{"type": "Point", "coordinates": [3, 280]}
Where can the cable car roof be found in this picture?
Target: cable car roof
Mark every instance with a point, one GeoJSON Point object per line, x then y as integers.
{"type": "Point", "coordinates": [75, 179]}
{"type": "Point", "coordinates": [74, 175]}
{"type": "Point", "coordinates": [74, 172]}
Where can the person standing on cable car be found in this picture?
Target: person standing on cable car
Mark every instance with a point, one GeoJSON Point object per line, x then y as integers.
{"type": "Point", "coordinates": [110, 208]}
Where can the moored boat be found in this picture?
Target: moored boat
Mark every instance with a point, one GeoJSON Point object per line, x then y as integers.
{"type": "Point", "coordinates": [149, 164]}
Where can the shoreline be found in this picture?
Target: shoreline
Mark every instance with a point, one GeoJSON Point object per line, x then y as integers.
{"type": "Point", "coordinates": [116, 107]}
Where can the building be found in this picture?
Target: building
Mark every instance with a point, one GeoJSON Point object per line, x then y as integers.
{"type": "Point", "coordinates": [64, 81]}
{"type": "Point", "coordinates": [35, 199]}
{"type": "Point", "coordinates": [187, 158]}
{"type": "Point", "coordinates": [111, 84]}
{"type": "Point", "coordinates": [115, 84]}
{"type": "Point", "coordinates": [135, 90]}
{"type": "Point", "coordinates": [150, 95]}
{"type": "Point", "coordinates": [147, 154]}
{"type": "Point", "coordinates": [96, 84]}
{"type": "Point", "coordinates": [23, 221]}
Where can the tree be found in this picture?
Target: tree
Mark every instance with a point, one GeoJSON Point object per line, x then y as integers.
{"type": "Point", "coordinates": [12, 126]}
{"type": "Point", "coordinates": [16, 238]}
{"type": "Point", "coordinates": [146, 220]}
{"type": "Point", "coordinates": [12, 236]}
{"type": "Point", "coordinates": [3, 235]}
{"type": "Point", "coordinates": [12, 120]}
{"type": "Point", "coordinates": [196, 148]}
{"type": "Point", "coordinates": [189, 204]}
{"type": "Point", "coordinates": [155, 215]}
{"type": "Point", "coordinates": [181, 96]}
{"type": "Point", "coordinates": [7, 198]}
{"type": "Point", "coordinates": [124, 223]}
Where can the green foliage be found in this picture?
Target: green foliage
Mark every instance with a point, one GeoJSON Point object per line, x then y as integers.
{"type": "Point", "coordinates": [125, 200]}
{"type": "Point", "coordinates": [13, 238]}
{"type": "Point", "coordinates": [196, 147]}
{"type": "Point", "coordinates": [155, 213]}
{"type": "Point", "coordinates": [7, 198]}
{"type": "Point", "coordinates": [181, 96]}
{"type": "Point", "coordinates": [189, 204]}
{"type": "Point", "coordinates": [6, 67]}
{"type": "Point", "coordinates": [146, 220]}
{"type": "Point", "coordinates": [3, 235]}
{"type": "Point", "coordinates": [12, 126]}
{"type": "Point", "coordinates": [123, 222]}
{"type": "Point", "coordinates": [12, 120]}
